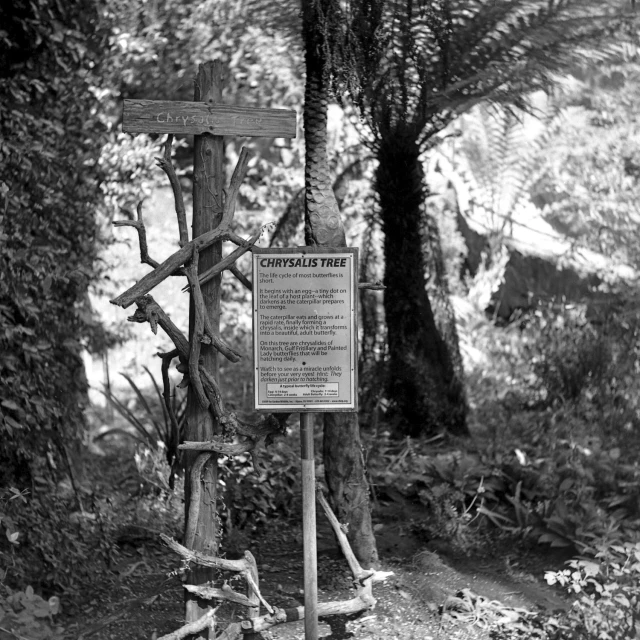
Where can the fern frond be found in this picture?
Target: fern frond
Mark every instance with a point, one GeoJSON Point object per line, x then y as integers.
{"type": "Point", "coordinates": [414, 65]}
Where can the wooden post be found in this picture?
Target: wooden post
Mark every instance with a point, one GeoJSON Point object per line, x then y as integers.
{"type": "Point", "coordinates": [208, 183]}
{"type": "Point", "coordinates": [309, 528]}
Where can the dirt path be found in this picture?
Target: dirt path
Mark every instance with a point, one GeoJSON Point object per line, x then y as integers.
{"type": "Point", "coordinates": [432, 594]}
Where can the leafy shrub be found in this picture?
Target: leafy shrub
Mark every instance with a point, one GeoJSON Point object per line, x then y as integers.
{"type": "Point", "coordinates": [608, 606]}
{"type": "Point", "coordinates": [26, 615]}
{"type": "Point", "coordinates": [252, 498]}
{"type": "Point", "coordinates": [152, 423]}
{"type": "Point", "coordinates": [67, 547]}
{"type": "Point", "coordinates": [569, 356]}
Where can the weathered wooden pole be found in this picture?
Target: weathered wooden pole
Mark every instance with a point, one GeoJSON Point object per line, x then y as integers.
{"type": "Point", "coordinates": [208, 183]}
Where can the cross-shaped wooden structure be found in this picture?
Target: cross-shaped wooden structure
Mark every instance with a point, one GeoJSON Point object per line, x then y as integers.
{"type": "Point", "coordinates": [208, 120]}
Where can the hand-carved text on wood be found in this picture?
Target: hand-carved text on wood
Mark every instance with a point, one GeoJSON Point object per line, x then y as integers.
{"type": "Point", "coordinates": [197, 118]}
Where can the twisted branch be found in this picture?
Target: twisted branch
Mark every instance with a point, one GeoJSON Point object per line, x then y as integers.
{"type": "Point", "coordinates": [372, 286]}
{"type": "Point", "coordinates": [150, 311]}
{"type": "Point", "coordinates": [194, 502]}
{"type": "Point", "coordinates": [226, 263]}
{"type": "Point", "coordinates": [223, 448]}
{"type": "Point", "coordinates": [241, 277]}
{"type": "Point", "coordinates": [138, 225]}
{"type": "Point", "coordinates": [213, 593]}
{"type": "Point", "coordinates": [198, 332]}
{"type": "Point", "coordinates": [183, 255]}
{"type": "Point", "coordinates": [202, 623]}
{"type": "Point", "coordinates": [203, 559]}
{"type": "Point", "coordinates": [167, 166]}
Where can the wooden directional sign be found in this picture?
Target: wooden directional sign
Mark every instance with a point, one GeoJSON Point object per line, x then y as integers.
{"type": "Point", "coordinates": [196, 118]}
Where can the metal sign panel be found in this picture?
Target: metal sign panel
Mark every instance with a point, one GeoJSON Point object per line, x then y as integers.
{"type": "Point", "coordinates": [305, 329]}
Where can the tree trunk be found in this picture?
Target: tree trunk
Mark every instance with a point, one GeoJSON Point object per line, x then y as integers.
{"type": "Point", "coordinates": [343, 460]}
{"type": "Point", "coordinates": [439, 295]}
{"type": "Point", "coordinates": [207, 214]}
{"type": "Point", "coordinates": [426, 394]}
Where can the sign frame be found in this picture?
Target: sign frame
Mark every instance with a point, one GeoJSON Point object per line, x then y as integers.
{"type": "Point", "coordinates": [352, 349]}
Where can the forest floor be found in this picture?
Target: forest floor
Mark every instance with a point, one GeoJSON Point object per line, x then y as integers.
{"type": "Point", "coordinates": [435, 593]}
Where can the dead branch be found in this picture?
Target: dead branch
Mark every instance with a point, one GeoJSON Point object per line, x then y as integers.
{"type": "Point", "coordinates": [192, 628]}
{"type": "Point", "coordinates": [254, 587]}
{"type": "Point", "coordinates": [167, 166]}
{"type": "Point", "coordinates": [194, 502]}
{"type": "Point", "coordinates": [254, 600]}
{"type": "Point", "coordinates": [372, 286]}
{"type": "Point", "coordinates": [236, 239]}
{"type": "Point", "coordinates": [241, 277]}
{"type": "Point", "coordinates": [270, 425]}
{"type": "Point", "coordinates": [202, 559]}
{"type": "Point", "coordinates": [198, 332]}
{"type": "Point", "coordinates": [138, 225]}
{"type": "Point", "coordinates": [234, 185]}
{"type": "Point", "coordinates": [213, 394]}
{"type": "Point", "coordinates": [219, 344]}
{"type": "Point", "coordinates": [180, 257]}
{"type": "Point", "coordinates": [224, 448]}
{"type": "Point", "coordinates": [213, 593]}
{"type": "Point", "coordinates": [358, 572]}
{"type": "Point", "coordinates": [150, 311]}
{"type": "Point", "coordinates": [173, 262]}
{"type": "Point", "coordinates": [359, 603]}
{"type": "Point", "coordinates": [362, 576]}
{"type": "Point", "coordinates": [226, 263]}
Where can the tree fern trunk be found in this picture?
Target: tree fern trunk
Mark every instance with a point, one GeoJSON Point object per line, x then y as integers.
{"type": "Point", "coordinates": [342, 451]}
{"type": "Point", "coordinates": [426, 394]}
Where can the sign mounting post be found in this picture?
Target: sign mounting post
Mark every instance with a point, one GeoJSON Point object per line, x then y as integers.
{"type": "Point", "coordinates": [305, 360]}
{"type": "Point", "coordinates": [208, 120]}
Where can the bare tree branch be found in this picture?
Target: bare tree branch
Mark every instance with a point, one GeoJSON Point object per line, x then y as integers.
{"type": "Point", "coordinates": [167, 166]}
{"type": "Point", "coordinates": [138, 225]}
{"type": "Point", "coordinates": [200, 312]}
{"type": "Point", "coordinates": [241, 277]}
{"type": "Point", "coordinates": [180, 257]}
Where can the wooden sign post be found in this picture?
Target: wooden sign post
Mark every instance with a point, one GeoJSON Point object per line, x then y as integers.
{"type": "Point", "coordinates": [304, 351]}
{"type": "Point", "coordinates": [208, 121]}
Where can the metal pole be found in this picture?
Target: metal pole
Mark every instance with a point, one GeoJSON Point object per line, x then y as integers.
{"type": "Point", "coordinates": [309, 528]}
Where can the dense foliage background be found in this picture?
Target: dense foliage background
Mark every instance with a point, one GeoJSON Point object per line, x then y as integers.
{"type": "Point", "coordinates": [52, 132]}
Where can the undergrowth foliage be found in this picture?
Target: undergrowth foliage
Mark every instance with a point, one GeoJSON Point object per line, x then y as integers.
{"type": "Point", "coordinates": [51, 136]}
{"type": "Point", "coordinates": [608, 592]}
{"type": "Point", "coordinates": [555, 463]}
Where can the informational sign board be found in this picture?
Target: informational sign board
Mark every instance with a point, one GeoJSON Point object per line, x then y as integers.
{"type": "Point", "coordinates": [305, 329]}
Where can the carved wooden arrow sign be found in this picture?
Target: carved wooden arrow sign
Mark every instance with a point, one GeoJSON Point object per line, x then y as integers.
{"type": "Point", "coordinates": [196, 118]}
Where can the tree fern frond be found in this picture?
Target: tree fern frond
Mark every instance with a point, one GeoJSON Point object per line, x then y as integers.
{"type": "Point", "coordinates": [417, 64]}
